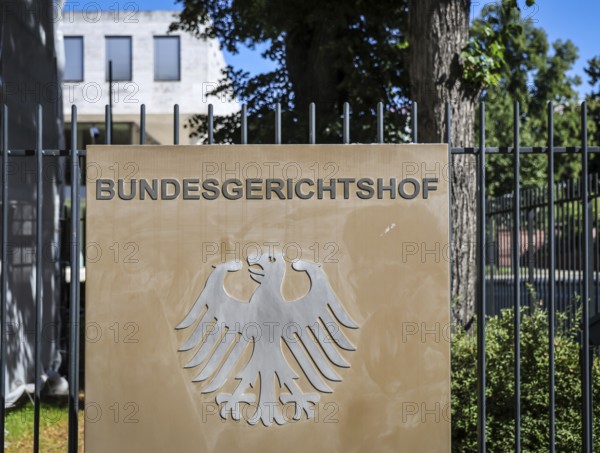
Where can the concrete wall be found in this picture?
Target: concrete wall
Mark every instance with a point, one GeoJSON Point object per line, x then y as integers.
{"type": "Point", "coordinates": [201, 65]}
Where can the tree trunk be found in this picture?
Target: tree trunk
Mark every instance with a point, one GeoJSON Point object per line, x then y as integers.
{"type": "Point", "coordinates": [310, 62]}
{"type": "Point", "coordinates": [314, 72]}
{"type": "Point", "coordinates": [438, 31]}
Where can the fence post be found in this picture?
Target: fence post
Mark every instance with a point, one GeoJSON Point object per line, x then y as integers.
{"type": "Point", "coordinates": [590, 259]}
{"type": "Point", "coordinates": [244, 125]}
{"type": "Point", "coordinates": [210, 124]}
{"type": "Point", "coordinates": [551, 276]}
{"type": "Point", "coordinates": [448, 131]}
{"type": "Point", "coordinates": [491, 244]}
{"type": "Point", "coordinates": [530, 254]}
{"type": "Point", "coordinates": [142, 124]}
{"type": "Point", "coordinates": [312, 124]}
{"type": "Point", "coordinates": [74, 291]}
{"type": "Point", "coordinates": [107, 125]}
{"type": "Point", "coordinates": [517, 276]}
{"type": "Point", "coordinates": [176, 124]}
{"type": "Point", "coordinates": [596, 243]}
{"type": "Point", "coordinates": [4, 284]}
{"type": "Point", "coordinates": [39, 312]}
{"type": "Point", "coordinates": [586, 368]}
{"type": "Point", "coordinates": [346, 124]}
{"type": "Point", "coordinates": [380, 122]}
{"type": "Point", "coordinates": [414, 120]}
{"type": "Point", "coordinates": [481, 300]}
{"type": "Point", "coordinates": [278, 124]}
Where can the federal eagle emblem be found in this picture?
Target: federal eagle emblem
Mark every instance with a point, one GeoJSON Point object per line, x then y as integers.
{"type": "Point", "coordinates": [224, 327]}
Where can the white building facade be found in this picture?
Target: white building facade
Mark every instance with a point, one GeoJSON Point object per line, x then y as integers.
{"type": "Point", "coordinates": [149, 66]}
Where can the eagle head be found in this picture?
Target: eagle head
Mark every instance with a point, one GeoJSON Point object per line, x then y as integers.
{"type": "Point", "coordinates": [269, 266]}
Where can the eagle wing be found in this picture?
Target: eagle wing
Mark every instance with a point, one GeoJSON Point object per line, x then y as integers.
{"type": "Point", "coordinates": [218, 318]}
{"type": "Point", "coordinates": [319, 331]}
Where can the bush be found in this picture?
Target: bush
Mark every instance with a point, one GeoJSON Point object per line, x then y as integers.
{"type": "Point", "coordinates": [534, 386]}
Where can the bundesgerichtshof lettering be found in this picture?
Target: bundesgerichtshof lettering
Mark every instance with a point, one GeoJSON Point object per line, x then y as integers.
{"type": "Point", "coordinates": [264, 189]}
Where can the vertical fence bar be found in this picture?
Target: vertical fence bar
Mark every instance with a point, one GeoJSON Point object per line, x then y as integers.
{"type": "Point", "coordinates": [414, 113]}
{"type": "Point", "coordinates": [507, 245]}
{"type": "Point", "coordinates": [74, 292]}
{"type": "Point", "coordinates": [38, 285]}
{"type": "Point", "coordinates": [4, 302]}
{"type": "Point", "coordinates": [542, 250]}
{"type": "Point", "coordinates": [491, 243]}
{"type": "Point", "coordinates": [380, 122]}
{"type": "Point", "coordinates": [244, 125]}
{"type": "Point", "coordinates": [577, 233]}
{"type": "Point", "coordinates": [110, 96]}
{"type": "Point", "coordinates": [564, 231]}
{"type": "Point", "coordinates": [481, 299]}
{"type": "Point", "coordinates": [346, 124]}
{"type": "Point", "coordinates": [530, 214]}
{"type": "Point", "coordinates": [557, 242]}
{"type": "Point", "coordinates": [544, 262]}
{"type": "Point", "coordinates": [593, 217]}
{"type": "Point", "coordinates": [107, 125]}
{"type": "Point", "coordinates": [536, 249]}
{"type": "Point", "coordinates": [572, 231]}
{"type": "Point", "coordinates": [517, 277]}
{"type": "Point", "coordinates": [312, 124]}
{"type": "Point", "coordinates": [142, 124]}
{"type": "Point", "coordinates": [176, 124]}
{"type": "Point", "coordinates": [568, 247]}
{"type": "Point", "coordinates": [592, 302]}
{"type": "Point", "coordinates": [211, 125]}
{"type": "Point", "coordinates": [551, 277]}
{"type": "Point", "coordinates": [448, 131]}
{"type": "Point", "coordinates": [278, 124]}
{"type": "Point", "coordinates": [596, 246]}
{"type": "Point", "coordinates": [4, 289]}
{"type": "Point", "coordinates": [586, 381]}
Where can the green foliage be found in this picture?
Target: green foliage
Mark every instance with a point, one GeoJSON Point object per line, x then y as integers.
{"type": "Point", "coordinates": [534, 386]}
{"type": "Point", "coordinates": [533, 72]}
{"type": "Point", "coordinates": [593, 101]}
{"type": "Point", "coordinates": [324, 52]}
{"type": "Point", "coordinates": [481, 64]}
{"type": "Point", "coordinates": [337, 51]}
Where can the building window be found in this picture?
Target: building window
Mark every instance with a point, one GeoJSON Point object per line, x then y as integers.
{"type": "Point", "coordinates": [118, 50]}
{"type": "Point", "coordinates": [166, 58]}
{"type": "Point", "coordinates": [73, 59]}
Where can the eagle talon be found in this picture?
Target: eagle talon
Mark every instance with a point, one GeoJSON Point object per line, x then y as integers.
{"type": "Point", "coordinates": [302, 402]}
{"type": "Point", "coordinates": [231, 403]}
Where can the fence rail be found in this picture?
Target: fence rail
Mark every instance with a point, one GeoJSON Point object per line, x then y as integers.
{"type": "Point", "coordinates": [536, 241]}
{"type": "Point", "coordinates": [555, 259]}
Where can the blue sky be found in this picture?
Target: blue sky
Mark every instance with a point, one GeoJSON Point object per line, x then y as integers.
{"type": "Point", "coordinates": [576, 20]}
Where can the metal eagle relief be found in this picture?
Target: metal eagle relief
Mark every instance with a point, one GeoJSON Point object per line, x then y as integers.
{"type": "Point", "coordinates": [224, 327]}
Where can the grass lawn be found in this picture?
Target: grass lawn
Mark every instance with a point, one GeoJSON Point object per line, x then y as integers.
{"type": "Point", "coordinates": [54, 422]}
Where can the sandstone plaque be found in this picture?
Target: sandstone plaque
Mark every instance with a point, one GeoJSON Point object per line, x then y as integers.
{"type": "Point", "coordinates": [267, 298]}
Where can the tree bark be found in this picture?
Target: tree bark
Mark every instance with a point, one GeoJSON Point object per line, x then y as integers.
{"type": "Point", "coordinates": [312, 60]}
{"type": "Point", "coordinates": [311, 63]}
{"type": "Point", "coordinates": [438, 31]}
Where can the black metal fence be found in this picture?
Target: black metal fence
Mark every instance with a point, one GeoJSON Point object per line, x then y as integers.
{"type": "Point", "coordinates": [580, 200]}
{"type": "Point", "coordinates": [536, 238]}
{"type": "Point", "coordinates": [519, 237]}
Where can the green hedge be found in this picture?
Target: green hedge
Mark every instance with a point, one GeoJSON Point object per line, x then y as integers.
{"type": "Point", "coordinates": [534, 386]}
